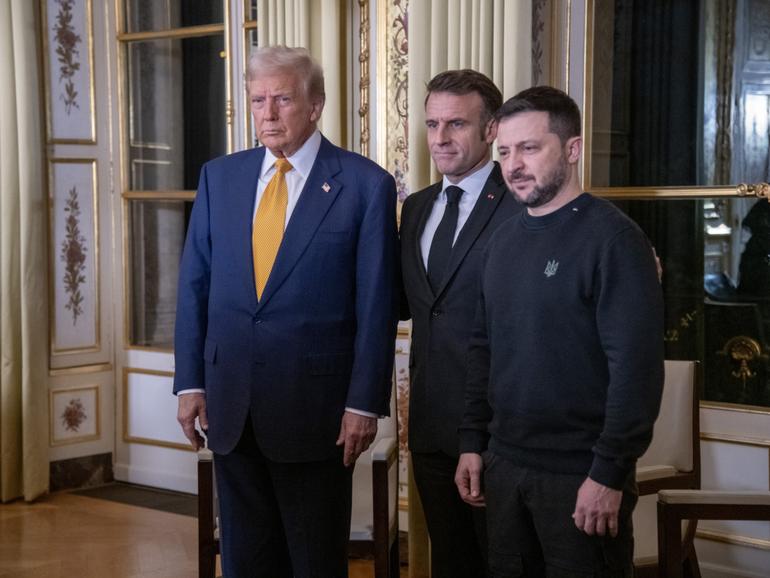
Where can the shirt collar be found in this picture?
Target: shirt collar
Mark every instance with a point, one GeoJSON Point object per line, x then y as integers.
{"type": "Point", "coordinates": [301, 161]}
{"type": "Point", "coordinates": [474, 182]}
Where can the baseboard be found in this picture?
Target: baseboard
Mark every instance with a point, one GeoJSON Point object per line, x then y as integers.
{"type": "Point", "coordinates": [709, 570]}
{"type": "Point", "coordinates": [156, 479]}
{"type": "Point", "coordinates": [81, 472]}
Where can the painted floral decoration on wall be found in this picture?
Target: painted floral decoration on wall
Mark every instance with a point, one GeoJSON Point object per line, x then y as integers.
{"type": "Point", "coordinates": [67, 52]}
{"type": "Point", "coordinates": [73, 415]}
{"type": "Point", "coordinates": [73, 255]}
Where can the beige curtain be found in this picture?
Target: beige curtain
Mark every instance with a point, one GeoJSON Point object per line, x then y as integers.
{"type": "Point", "coordinates": [318, 26]}
{"type": "Point", "coordinates": [491, 36]}
{"type": "Point", "coordinates": [23, 267]}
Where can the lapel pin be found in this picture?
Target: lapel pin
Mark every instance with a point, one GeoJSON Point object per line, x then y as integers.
{"type": "Point", "coordinates": [490, 196]}
{"type": "Point", "coordinates": [326, 187]}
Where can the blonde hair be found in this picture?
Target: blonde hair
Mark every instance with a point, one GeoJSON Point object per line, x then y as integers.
{"type": "Point", "coordinates": [282, 59]}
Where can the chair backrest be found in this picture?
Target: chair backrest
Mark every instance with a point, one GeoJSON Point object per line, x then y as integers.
{"type": "Point", "coordinates": [671, 461]}
{"type": "Point", "coordinates": [675, 440]}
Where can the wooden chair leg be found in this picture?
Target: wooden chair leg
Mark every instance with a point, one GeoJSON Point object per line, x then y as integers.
{"type": "Point", "coordinates": [691, 568]}
{"type": "Point", "coordinates": [207, 546]}
{"type": "Point", "coordinates": [395, 560]}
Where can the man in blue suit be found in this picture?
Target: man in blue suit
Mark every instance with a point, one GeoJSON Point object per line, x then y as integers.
{"type": "Point", "coordinates": [285, 326]}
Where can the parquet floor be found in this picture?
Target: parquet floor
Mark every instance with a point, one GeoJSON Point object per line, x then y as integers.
{"type": "Point", "coordinates": [69, 536]}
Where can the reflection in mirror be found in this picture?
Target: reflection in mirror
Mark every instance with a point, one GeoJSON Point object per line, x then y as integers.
{"type": "Point", "coordinates": [680, 93]}
{"type": "Point", "coordinates": [158, 230]}
{"type": "Point", "coordinates": [176, 110]}
{"type": "Point", "coordinates": [716, 281]}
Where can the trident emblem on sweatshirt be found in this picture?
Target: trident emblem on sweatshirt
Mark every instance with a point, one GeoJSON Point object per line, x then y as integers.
{"type": "Point", "coordinates": [550, 268]}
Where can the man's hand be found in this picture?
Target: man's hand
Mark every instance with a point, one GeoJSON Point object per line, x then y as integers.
{"type": "Point", "coordinates": [596, 510]}
{"type": "Point", "coordinates": [468, 479]}
{"type": "Point", "coordinates": [192, 405]}
{"type": "Point", "coordinates": [356, 434]}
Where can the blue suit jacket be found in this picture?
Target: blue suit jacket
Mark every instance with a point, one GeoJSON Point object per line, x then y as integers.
{"type": "Point", "coordinates": [322, 336]}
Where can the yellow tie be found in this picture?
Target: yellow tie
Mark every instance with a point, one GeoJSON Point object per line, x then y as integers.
{"type": "Point", "coordinates": [267, 231]}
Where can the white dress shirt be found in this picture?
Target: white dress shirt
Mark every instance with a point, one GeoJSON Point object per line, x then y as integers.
{"type": "Point", "coordinates": [472, 186]}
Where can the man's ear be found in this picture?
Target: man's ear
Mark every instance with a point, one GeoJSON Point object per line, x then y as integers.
{"type": "Point", "coordinates": [574, 148]}
{"type": "Point", "coordinates": [317, 108]}
{"type": "Point", "coordinates": [490, 131]}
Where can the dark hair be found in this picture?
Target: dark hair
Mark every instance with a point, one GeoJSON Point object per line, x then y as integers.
{"type": "Point", "coordinates": [563, 112]}
{"type": "Point", "coordinates": [466, 81]}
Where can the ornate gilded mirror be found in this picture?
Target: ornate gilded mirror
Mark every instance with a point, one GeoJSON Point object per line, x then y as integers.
{"type": "Point", "coordinates": [677, 131]}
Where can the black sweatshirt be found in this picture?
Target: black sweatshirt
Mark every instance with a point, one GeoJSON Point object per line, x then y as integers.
{"type": "Point", "coordinates": [566, 359]}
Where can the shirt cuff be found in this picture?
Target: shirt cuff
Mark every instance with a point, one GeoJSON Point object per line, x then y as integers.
{"type": "Point", "coordinates": [186, 391]}
{"type": "Point", "coordinates": [361, 412]}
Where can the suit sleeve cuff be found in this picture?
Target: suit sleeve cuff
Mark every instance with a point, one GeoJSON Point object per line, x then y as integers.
{"type": "Point", "coordinates": [362, 412]}
{"type": "Point", "coordinates": [186, 391]}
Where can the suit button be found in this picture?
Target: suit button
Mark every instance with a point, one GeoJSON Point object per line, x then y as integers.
{"type": "Point", "coordinates": [437, 313]}
{"type": "Point", "coordinates": [257, 321]}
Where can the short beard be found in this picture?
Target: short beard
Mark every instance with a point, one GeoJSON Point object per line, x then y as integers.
{"type": "Point", "coordinates": [545, 193]}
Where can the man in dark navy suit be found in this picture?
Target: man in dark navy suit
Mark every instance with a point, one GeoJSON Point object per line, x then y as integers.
{"type": "Point", "coordinates": [444, 229]}
{"type": "Point", "coordinates": [285, 326]}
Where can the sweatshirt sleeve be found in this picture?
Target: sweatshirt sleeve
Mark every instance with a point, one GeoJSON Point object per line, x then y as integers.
{"type": "Point", "coordinates": [630, 322]}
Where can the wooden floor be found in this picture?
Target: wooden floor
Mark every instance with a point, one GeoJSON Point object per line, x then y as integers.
{"type": "Point", "coordinates": [66, 536]}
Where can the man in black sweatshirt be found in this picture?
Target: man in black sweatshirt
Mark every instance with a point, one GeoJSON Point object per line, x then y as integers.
{"type": "Point", "coordinates": [565, 362]}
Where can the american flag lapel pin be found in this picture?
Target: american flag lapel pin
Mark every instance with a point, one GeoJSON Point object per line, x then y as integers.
{"type": "Point", "coordinates": [326, 187]}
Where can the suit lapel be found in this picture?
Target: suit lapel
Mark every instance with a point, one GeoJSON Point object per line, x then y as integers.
{"type": "Point", "coordinates": [491, 195]}
{"type": "Point", "coordinates": [318, 195]}
{"type": "Point", "coordinates": [423, 213]}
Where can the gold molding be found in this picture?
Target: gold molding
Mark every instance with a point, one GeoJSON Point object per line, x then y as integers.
{"type": "Point", "coordinates": [588, 79]}
{"type": "Point", "coordinates": [173, 33]}
{"type": "Point", "coordinates": [228, 57]}
{"type": "Point", "coordinates": [80, 439]}
{"type": "Point", "coordinates": [382, 82]}
{"type": "Point", "coordinates": [148, 348]}
{"type": "Point", "coordinates": [736, 539]}
{"type": "Point", "coordinates": [80, 370]}
{"type": "Point", "coordinates": [568, 40]}
{"type": "Point", "coordinates": [162, 195]}
{"type": "Point", "coordinates": [47, 86]}
{"type": "Point", "coordinates": [735, 439]}
{"type": "Point", "coordinates": [738, 407]}
{"type": "Point", "coordinates": [52, 253]}
{"type": "Point", "coordinates": [646, 193]}
{"type": "Point", "coordinates": [125, 411]}
{"type": "Point", "coordinates": [249, 26]}
{"type": "Point", "coordinates": [364, 76]}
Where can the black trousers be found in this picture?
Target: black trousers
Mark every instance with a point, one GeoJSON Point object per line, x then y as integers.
{"type": "Point", "coordinates": [457, 531]}
{"type": "Point", "coordinates": [282, 520]}
{"type": "Point", "coordinates": [532, 533]}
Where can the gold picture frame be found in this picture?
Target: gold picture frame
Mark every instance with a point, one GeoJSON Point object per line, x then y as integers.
{"type": "Point", "coordinates": [74, 414]}
{"type": "Point", "coordinates": [68, 56]}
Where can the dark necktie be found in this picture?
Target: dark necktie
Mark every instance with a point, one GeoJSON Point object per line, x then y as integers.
{"type": "Point", "coordinates": [441, 247]}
